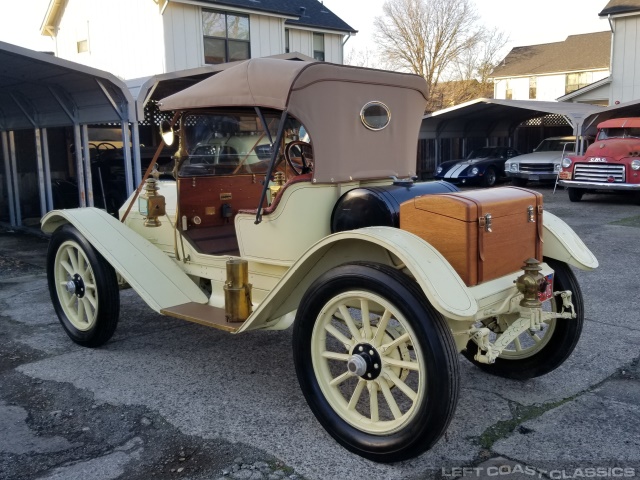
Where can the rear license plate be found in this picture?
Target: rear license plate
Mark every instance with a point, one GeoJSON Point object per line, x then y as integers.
{"type": "Point", "coordinates": [534, 177]}
{"type": "Point", "coordinates": [548, 291]}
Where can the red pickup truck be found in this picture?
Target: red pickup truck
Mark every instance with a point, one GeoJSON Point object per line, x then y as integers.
{"type": "Point", "coordinates": [611, 163]}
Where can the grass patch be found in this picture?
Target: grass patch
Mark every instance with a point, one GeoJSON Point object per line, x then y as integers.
{"type": "Point", "coordinates": [520, 414]}
{"type": "Point", "coordinates": [628, 222]}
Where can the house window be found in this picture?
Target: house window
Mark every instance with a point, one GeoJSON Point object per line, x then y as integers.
{"type": "Point", "coordinates": [286, 40]}
{"type": "Point", "coordinates": [226, 37]}
{"type": "Point", "coordinates": [318, 46]}
{"type": "Point", "coordinates": [574, 81]}
{"type": "Point", "coordinates": [533, 88]}
{"type": "Point", "coordinates": [508, 93]}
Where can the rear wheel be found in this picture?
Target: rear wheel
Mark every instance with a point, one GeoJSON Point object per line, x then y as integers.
{"type": "Point", "coordinates": [83, 288]}
{"type": "Point", "coordinates": [376, 363]}
{"type": "Point", "coordinates": [575, 194]}
{"type": "Point", "coordinates": [534, 354]}
{"type": "Point", "coordinates": [490, 178]}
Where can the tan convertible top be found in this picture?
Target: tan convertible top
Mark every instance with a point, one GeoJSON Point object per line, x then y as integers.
{"type": "Point", "coordinates": [327, 99]}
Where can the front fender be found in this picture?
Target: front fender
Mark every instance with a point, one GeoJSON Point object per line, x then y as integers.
{"type": "Point", "coordinates": [150, 272]}
{"type": "Point", "coordinates": [440, 283]}
{"type": "Point", "coordinates": [562, 243]}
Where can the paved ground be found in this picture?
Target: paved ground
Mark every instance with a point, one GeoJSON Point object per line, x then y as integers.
{"type": "Point", "coordinates": [169, 399]}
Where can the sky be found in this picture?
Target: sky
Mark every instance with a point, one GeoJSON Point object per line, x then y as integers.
{"type": "Point", "coordinates": [526, 22]}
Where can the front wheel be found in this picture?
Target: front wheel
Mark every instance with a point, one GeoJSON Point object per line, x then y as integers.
{"type": "Point", "coordinates": [490, 178]}
{"type": "Point", "coordinates": [575, 194]}
{"type": "Point", "coordinates": [533, 354]}
{"type": "Point", "coordinates": [376, 363]}
{"type": "Point", "coordinates": [83, 288]}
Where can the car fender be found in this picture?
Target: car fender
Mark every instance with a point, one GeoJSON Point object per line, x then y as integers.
{"type": "Point", "coordinates": [440, 283]}
{"type": "Point", "coordinates": [562, 243]}
{"type": "Point", "coordinates": [150, 272]}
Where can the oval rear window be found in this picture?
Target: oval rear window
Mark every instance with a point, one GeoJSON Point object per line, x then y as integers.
{"type": "Point", "coordinates": [375, 115]}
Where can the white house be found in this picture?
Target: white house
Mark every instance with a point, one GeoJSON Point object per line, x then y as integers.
{"type": "Point", "coordinates": [136, 38]}
{"type": "Point", "coordinates": [624, 19]}
{"type": "Point", "coordinates": [552, 70]}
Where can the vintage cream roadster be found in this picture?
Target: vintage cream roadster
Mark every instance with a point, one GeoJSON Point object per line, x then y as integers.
{"type": "Point", "coordinates": [384, 279]}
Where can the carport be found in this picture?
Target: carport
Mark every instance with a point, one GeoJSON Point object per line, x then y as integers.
{"type": "Point", "coordinates": [622, 110]}
{"type": "Point", "coordinates": [39, 92]}
{"type": "Point", "coordinates": [487, 118]}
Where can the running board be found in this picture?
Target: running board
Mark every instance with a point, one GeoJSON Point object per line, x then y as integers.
{"type": "Point", "coordinates": [203, 314]}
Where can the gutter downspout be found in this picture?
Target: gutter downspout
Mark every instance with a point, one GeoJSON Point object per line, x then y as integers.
{"type": "Point", "coordinates": [164, 7]}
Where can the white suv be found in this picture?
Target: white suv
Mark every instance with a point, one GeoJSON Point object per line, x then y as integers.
{"type": "Point", "coordinates": [542, 164]}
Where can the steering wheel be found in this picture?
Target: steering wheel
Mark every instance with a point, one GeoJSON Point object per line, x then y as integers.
{"type": "Point", "coordinates": [302, 159]}
{"type": "Point", "coordinates": [106, 146]}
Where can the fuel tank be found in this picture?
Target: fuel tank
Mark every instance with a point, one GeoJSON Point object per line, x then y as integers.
{"type": "Point", "coordinates": [380, 206]}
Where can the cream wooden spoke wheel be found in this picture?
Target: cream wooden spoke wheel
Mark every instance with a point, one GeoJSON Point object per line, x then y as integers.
{"type": "Point", "coordinates": [76, 286]}
{"type": "Point", "coordinates": [353, 362]}
{"type": "Point", "coordinates": [533, 354]}
{"type": "Point", "coordinates": [83, 288]}
{"type": "Point", "coordinates": [376, 363]}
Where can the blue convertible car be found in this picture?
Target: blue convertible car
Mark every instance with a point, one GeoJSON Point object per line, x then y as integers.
{"type": "Point", "coordinates": [482, 166]}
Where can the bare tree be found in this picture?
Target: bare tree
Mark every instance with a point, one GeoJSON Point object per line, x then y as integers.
{"type": "Point", "coordinates": [365, 57]}
{"type": "Point", "coordinates": [434, 38]}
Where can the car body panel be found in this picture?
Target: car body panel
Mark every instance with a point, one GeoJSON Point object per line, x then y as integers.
{"type": "Point", "coordinates": [155, 276]}
{"type": "Point", "coordinates": [562, 243]}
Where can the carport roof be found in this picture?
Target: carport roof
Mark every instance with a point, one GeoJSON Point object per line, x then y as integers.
{"type": "Point", "coordinates": [626, 109]}
{"type": "Point", "coordinates": [38, 90]}
{"type": "Point", "coordinates": [162, 85]}
{"type": "Point", "coordinates": [491, 117]}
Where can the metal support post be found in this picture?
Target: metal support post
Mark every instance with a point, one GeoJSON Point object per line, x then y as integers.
{"type": "Point", "coordinates": [16, 185]}
{"type": "Point", "coordinates": [87, 165]}
{"type": "Point", "coordinates": [137, 166]}
{"type": "Point", "coordinates": [126, 149]}
{"type": "Point", "coordinates": [77, 142]}
{"type": "Point", "coordinates": [47, 169]}
{"type": "Point", "coordinates": [8, 176]}
{"type": "Point", "coordinates": [41, 192]}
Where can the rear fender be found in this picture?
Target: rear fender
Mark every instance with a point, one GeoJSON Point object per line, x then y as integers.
{"type": "Point", "coordinates": [440, 283]}
{"type": "Point", "coordinates": [562, 243]}
{"type": "Point", "coordinates": [150, 272]}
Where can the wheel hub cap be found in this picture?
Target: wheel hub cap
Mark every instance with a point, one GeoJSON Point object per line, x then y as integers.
{"type": "Point", "coordinates": [365, 362]}
{"type": "Point", "coordinates": [75, 286]}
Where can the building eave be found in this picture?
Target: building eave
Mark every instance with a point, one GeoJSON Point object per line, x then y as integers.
{"type": "Point", "coordinates": [49, 26]}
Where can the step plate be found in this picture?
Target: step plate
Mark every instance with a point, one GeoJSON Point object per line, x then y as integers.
{"type": "Point", "coordinates": [202, 314]}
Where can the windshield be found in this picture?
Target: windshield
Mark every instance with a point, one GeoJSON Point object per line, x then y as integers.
{"type": "Point", "coordinates": [550, 145]}
{"type": "Point", "coordinates": [228, 143]}
{"type": "Point", "coordinates": [484, 152]}
{"type": "Point", "coordinates": [619, 133]}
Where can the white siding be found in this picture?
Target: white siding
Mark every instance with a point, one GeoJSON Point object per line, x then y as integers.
{"type": "Point", "coordinates": [183, 41]}
{"type": "Point", "coordinates": [548, 87]}
{"type": "Point", "coordinates": [301, 41]}
{"type": "Point", "coordinates": [122, 36]}
{"type": "Point", "coordinates": [625, 64]}
{"type": "Point", "coordinates": [267, 35]}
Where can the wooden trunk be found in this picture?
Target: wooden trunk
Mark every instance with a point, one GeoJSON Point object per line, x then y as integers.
{"type": "Point", "coordinates": [484, 234]}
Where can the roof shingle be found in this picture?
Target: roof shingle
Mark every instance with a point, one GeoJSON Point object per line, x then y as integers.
{"type": "Point", "coordinates": [587, 51]}
{"type": "Point", "coordinates": [615, 7]}
{"type": "Point", "coordinates": [311, 13]}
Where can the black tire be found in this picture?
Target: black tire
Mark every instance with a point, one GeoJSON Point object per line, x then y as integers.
{"type": "Point", "coordinates": [429, 343]}
{"type": "Point", "coordinates": [490, 177]}
{"type": "Point", "coordinates": [564, 335]}
{"type": "Point", "coordinates": [519, 182]}
{"type": "Point", "coordinates": [92, 316]}
{"type": "Point", "coordinates": [575, 194]}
